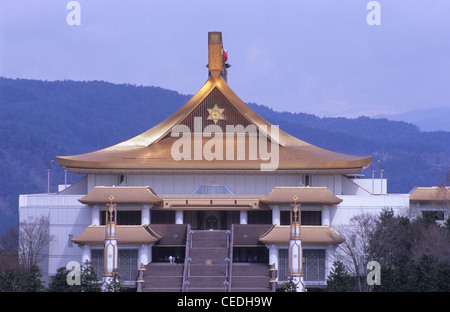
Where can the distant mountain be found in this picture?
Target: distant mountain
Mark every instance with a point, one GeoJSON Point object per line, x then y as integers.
{"type": "Point", "coordinates": [41, 120]}
{"type": "Point", "coordinates": [432, 119]}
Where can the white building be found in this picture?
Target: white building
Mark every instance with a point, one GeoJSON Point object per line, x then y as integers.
{"type": "Point", "coordinates": [219, 210]}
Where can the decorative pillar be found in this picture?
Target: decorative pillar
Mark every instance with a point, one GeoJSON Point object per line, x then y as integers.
{"type": "Point", "coordinates": [179, 217]}
{"type": "Point", "coordinates": [243, 217]}
{"type": "Point", "coordinates": [111, 249]}
{"type": "Point", "coordinates": [295, 248]}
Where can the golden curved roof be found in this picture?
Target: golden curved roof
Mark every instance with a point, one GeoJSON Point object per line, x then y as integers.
{"type": "Point", "coordinates": [308, 234]}
{"type": "Point", "coordinates": [95, 234]}
{"type": "Point", "coordinates": [430, 194]}
{"type": "Point", "coordinates": [121, 195]}
{"type": "Point", "coordinates": [152, 150]}
{"type": "Point", "coordinates": [305, 195]}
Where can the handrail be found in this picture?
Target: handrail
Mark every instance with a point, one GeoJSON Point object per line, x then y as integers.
{"type": "Point", "coordinates": [230, 256]}
{"type": "Point", "coordinates": [187, 264]}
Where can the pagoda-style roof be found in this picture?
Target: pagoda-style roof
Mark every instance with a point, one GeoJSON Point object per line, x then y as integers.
{"type": "Point", "coordinates": [430, 194]}
{"type": "Point", "coordinates": [144, 195]}
{"type": "Point", "coordinates": [215, 104]}
{"type": "Point", "coordinates": [125, 234]}
{"type": "Point", "coordinates": [121, 195]}
{"type": "Point", "coordinates": [280, 234]}
{"type": "Point", "coordinates": [305, 195]}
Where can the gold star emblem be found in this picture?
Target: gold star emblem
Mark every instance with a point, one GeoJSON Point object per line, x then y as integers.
{"type": "Point", "coordinates": [215, 113]}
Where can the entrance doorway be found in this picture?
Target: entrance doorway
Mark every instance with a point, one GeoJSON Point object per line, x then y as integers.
{"type": "Point", "coordinates": [211, 220]}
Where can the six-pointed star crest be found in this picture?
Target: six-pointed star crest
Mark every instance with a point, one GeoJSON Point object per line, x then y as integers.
{"type": "Point", "coordinates": [215, 113]}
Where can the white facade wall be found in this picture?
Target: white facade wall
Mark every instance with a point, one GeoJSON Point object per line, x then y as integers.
{"type": "Point", "coordinates": [373, 204]}
{"type": "Point", "coordinates": [67, 218]}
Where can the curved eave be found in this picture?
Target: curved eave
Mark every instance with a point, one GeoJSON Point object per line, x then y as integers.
{"type": "Point", "coordinates": [125, 234]}
{"type": "Point", "coordinates": [121, 195]}
{"type": "Point", "coordinates": [308, 235]}
{"type": "Point", "coordinates": [151, 150]}
{"type": "Point", "coordinates": [305, 195]}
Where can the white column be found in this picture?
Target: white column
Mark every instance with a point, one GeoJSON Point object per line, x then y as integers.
{"type": "Point", "coordinates": [95, 215]}
{"type": "Point", "coordinates": [145, 254]}
{"type": "Point", "coordinates": [145, 214]}
{"type": "Point", "coordinates": [243, 217]}
{"type": "Point", "coordinates": [85, 253]}
{"type": "Point", "coordinates": [326, 215]}
{"type": "Point", "coordinates": [179, 217]}
{"type": "Point", "coordinates": [273, 255]}
{"type": "Point", "coordinates": [275, 214]}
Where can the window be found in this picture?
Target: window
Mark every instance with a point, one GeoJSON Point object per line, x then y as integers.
{"type": "Point", "coordinates": [251, 254]}
{"type": "Point", "coordinates": [70, 243]}
{"type": "Point", "coordinates": [260, 217]}
{"type": "Point", "coordinates": [97, 262]}
{"type": "Point", "coordinates": [314, 265]}
{"type": "Point", "coordinates": [433, 215]}
{"type": "Point", "coordinates": [124, 217]}
{"type": "Point", "coordinates": [163, 217]}
{"type": "Point", "coordinates": [308, 217]}
{"type": "Point", "coordinates": [128, 264]}
{"type": "Point", "coordinates": [283, 265]}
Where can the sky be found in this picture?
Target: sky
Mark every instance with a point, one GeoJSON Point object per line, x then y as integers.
{"type": "Point", "coordinates": [314, 56]}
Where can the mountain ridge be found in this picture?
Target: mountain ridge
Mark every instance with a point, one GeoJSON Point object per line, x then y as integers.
{"type": "Point", "coordinates": [45, 119]}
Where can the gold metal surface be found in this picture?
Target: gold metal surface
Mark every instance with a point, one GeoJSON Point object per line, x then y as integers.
{"type": "Point", "coordinates": [124, 234]}
{"type": "Point", "coordinates": [151, 150]}
{"type": "Point", "coordinates": [310, 235]}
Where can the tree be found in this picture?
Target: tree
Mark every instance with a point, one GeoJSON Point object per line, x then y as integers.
{"type": "Point", "coordinates": [31, 281]}
{"type": "Point", "coordinates": [426, 275]}
{"type": "Point", "coordinates": [59, 282]}
{"type": "Point", "coordinates": [13, 275]}
{"type": "Point", "coordinates": [114, 284]}
{"type": "Point", "coordinates": [33, 239]}
{"type": "Point", "coordinates": [289, 286]}
{"type": "Point", "coordinates": [339, 280]}
{"type": "Point", "coordinates": [354, 251]}
{"type": "Point", "coordinates": [88, 280]}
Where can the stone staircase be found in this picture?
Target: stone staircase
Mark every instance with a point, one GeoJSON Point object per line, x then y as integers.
{"type": "Point", "coordinates": [163, 277]}
{"type": "Point", "coordinates": [250, 277]}
{"type": "Point", "coordinates": [208, 269]}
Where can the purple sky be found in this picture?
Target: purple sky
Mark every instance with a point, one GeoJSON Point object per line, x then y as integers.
{"type": "Point", "coordinates": [313, 56]}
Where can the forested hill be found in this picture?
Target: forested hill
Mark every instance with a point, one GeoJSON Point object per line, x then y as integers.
{"type": "Point", "coordinates": [41, 120]}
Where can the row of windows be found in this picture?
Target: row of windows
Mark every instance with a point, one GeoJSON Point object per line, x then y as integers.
{"type": "Point", "coordinates": [127, 265]}
{"type": "Point", "coordinates": [313, 267]}
{"type": "Point", "coordinates": [133, 217]}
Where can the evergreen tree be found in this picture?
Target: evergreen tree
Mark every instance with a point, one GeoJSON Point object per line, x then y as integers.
{"type": "Point", "coordinates": [289, 286]}
{"type": "Point", "coordinates": [339, 280]}
{"type": "Point", "coordinates": [59, 282]}
{"type": "Point", "coordinates": [426, 275]}
{"type": "Point", "coordinates": [115, 284]}
{"type": "Point", "coordinates": [89, 279]}
{"type": "Point", "coordinates": [31, 281]}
